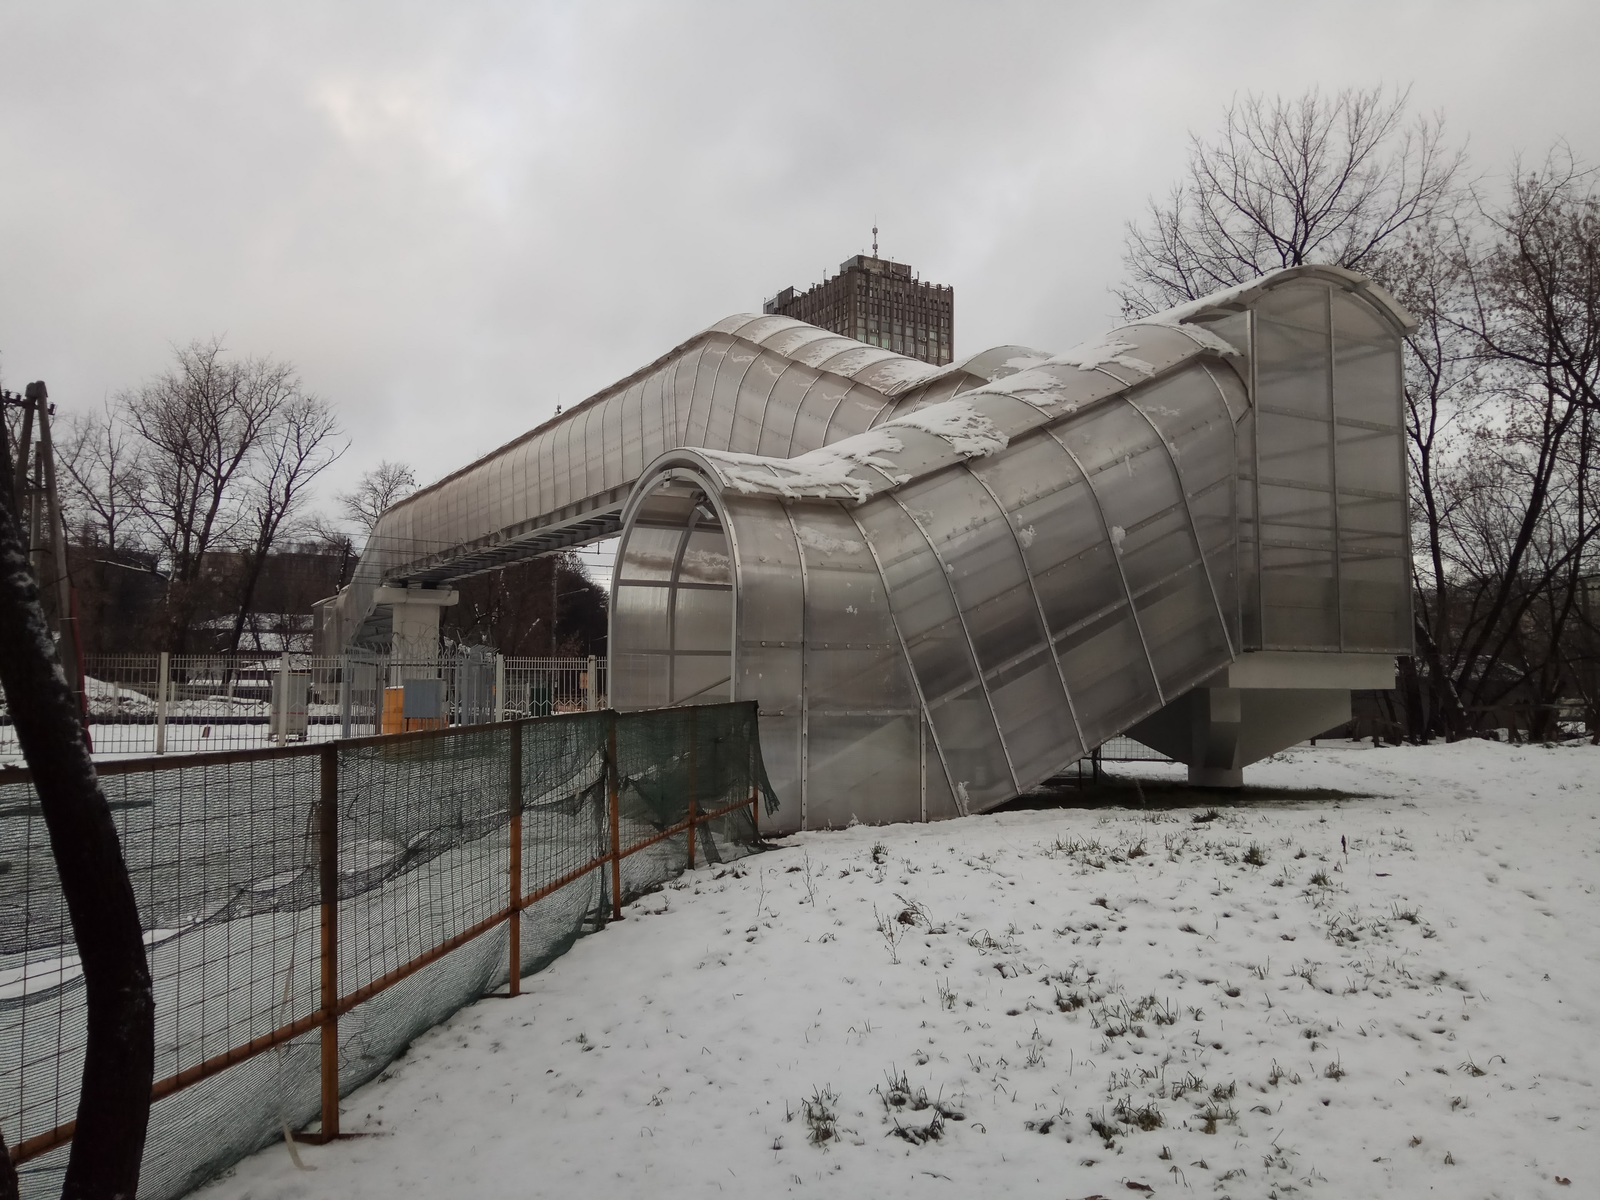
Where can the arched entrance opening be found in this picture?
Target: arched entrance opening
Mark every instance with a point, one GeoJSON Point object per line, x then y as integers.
{"type": "Point", "coordinates": [672, 598]}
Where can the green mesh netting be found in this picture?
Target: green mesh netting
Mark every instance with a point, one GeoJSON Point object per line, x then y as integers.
{"type": "Point", "coordinates": [223, 852]}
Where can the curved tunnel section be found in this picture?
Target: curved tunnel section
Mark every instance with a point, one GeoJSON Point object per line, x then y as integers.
{"type": "Point", "coordinates": [952, 606]}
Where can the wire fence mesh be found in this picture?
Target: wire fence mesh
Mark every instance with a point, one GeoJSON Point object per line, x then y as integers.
{"type": "Point", "coordinates": [433, 866]}
{"type": "Point", "coordinates": [141, 704]}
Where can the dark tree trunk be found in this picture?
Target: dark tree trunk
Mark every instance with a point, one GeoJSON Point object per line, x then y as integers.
{"type": "Point", "coordinates": [119, 1062]}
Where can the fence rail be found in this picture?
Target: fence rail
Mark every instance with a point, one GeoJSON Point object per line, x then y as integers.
{"type": "Point", "coordinates": [193, 703]}
{"type": "Point", "coordinates": [310, 909]}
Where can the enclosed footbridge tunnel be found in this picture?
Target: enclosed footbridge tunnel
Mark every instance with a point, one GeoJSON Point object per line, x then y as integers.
{"type": "Point", "coordinates": [943, 586]}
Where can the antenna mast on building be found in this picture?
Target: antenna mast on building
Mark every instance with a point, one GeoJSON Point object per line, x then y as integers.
{"type": "Point", "coordinates": [874, 237]}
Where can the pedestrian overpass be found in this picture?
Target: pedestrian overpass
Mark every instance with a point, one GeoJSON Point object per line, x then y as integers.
{"type": "Point", "coordinates": [944, 585]}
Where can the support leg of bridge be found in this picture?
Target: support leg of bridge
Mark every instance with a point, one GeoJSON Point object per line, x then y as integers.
{"type": "Point", "coordinates": [416, 620]}
{"type": "Point", "coordinates": [1216, 777]}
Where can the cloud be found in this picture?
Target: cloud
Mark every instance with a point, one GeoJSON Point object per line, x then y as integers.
{"type": "Point", "coordinates": [453, 219]}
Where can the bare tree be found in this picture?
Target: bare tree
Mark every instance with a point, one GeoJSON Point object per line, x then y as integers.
{"type": "Point", "coordinates": [119, 1056]}
{"type": "Point", "coordinates": [1535, 311]}
{"type": "Point", "coordinates": [298, 446]}
{"type": "Point", "coordinates": [1443, 396]}
{"type": "Point", "coordinates": [201, 423]}
{"type": "Point", "coordinates": [104, 472]}
{"type": "Point", "coordinates": [1317, 179]}
{"type": "Point", "coordinates": [378, 489]}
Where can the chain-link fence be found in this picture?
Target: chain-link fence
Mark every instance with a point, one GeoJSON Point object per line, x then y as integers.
{"type": "Point", "coordinates": [189, 703]}
{"type": "Point", "coordinates": [310, 910]}
{"type": "Point", "coordinates": [1125, 749]}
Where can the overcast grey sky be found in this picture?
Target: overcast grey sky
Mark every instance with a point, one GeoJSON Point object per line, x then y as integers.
{"type": "Point", "coordinates": [453, 217]}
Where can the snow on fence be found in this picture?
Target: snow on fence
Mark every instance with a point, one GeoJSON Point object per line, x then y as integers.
{"type": "Point", "coordinates": [191, 703]}
{"type": "Point", "coordinates": [310, 909]}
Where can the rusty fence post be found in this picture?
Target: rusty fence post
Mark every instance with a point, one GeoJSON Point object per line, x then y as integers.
{"type": "Point", "coordinates": [514, 980]}
{"type": "Point", "coordinates": [328, 871]}
{"type": "Point", "coordinates": [612, 807]}
{"type": "Point", "coordinates": [694, 730]}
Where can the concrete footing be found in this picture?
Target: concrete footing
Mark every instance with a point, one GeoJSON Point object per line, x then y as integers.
{"type": "Point", "coordinates": [1216, 777]}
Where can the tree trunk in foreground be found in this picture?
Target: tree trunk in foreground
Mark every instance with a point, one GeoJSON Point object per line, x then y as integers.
{"type": "Point", "coordinates": [119, 1062]}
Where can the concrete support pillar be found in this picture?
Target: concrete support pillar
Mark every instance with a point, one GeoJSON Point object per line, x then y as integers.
{"type": "Point", "coordinates": [1216, 777]}
{"type": "Point", "coordinates": [415, 637]}
{"type": "Point", "coordinates": [1263, 702]}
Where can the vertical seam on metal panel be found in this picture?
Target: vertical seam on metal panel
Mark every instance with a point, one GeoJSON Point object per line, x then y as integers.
{"type": "Point", "coordinates": [961, 619]}
{"type": "Point", "coordinates": [911, 670]}
{"type": "Point", "coordinates": [1188, 508]}
{"type": "Point", "coordinates": [1333, 470]}
{"type": "Point", "coordinates": [805, 669]}
{"type": "Point", "coordinates": [1116, 557]}
{"type": "Point", "coordinates": [1038, 606]}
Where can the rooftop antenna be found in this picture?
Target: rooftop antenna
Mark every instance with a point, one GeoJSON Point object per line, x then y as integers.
{"type": "Point", "coordinates": [874, 237]}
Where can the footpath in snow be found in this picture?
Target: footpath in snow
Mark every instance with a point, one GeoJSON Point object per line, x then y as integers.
{"type": "Point", "coordinates": [1376, 974]}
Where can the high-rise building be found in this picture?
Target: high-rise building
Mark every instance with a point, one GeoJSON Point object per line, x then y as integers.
{"type": "Point", "coordinates": [881, 303]}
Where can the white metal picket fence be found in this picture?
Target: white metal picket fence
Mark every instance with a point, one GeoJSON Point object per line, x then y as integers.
{"type": "Point", "coordinates": [192, 703]}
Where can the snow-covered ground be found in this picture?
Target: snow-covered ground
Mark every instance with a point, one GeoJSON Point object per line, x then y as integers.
{"type": "Point", "coordinates": [1059, 1002]}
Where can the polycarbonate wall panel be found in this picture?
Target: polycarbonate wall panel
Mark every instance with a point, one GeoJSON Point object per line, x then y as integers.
{"type": "Point", "coordinates": [861, 768]}
{"type": "Point", "coordinates": [857, 411]}
{"type": "Point", "coordinates": [1294, 455]}
{"type": "Point", "coordinates": [702, 616]}
{"type": "Point", "coordinates": [728, 395]}
{"type": "Point", "coordinates": [938, 800]}
{"type": "Point", "coordinates": [783, 409]}
{"type": "Point", "coordinates": [755, 402]}
{"type": "Point", "coordinates": [925, 613]}
{"type": "Point", "coordinates": [706, 381]}
{"type": "Point", "coordinates": [995, 595]}
{"type": "Point", "coordinates": [816, 410]}
{"type": "Point", "coordinates": [1374, 583]}
{"type": "Point", "coordinates": [771, 631]}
